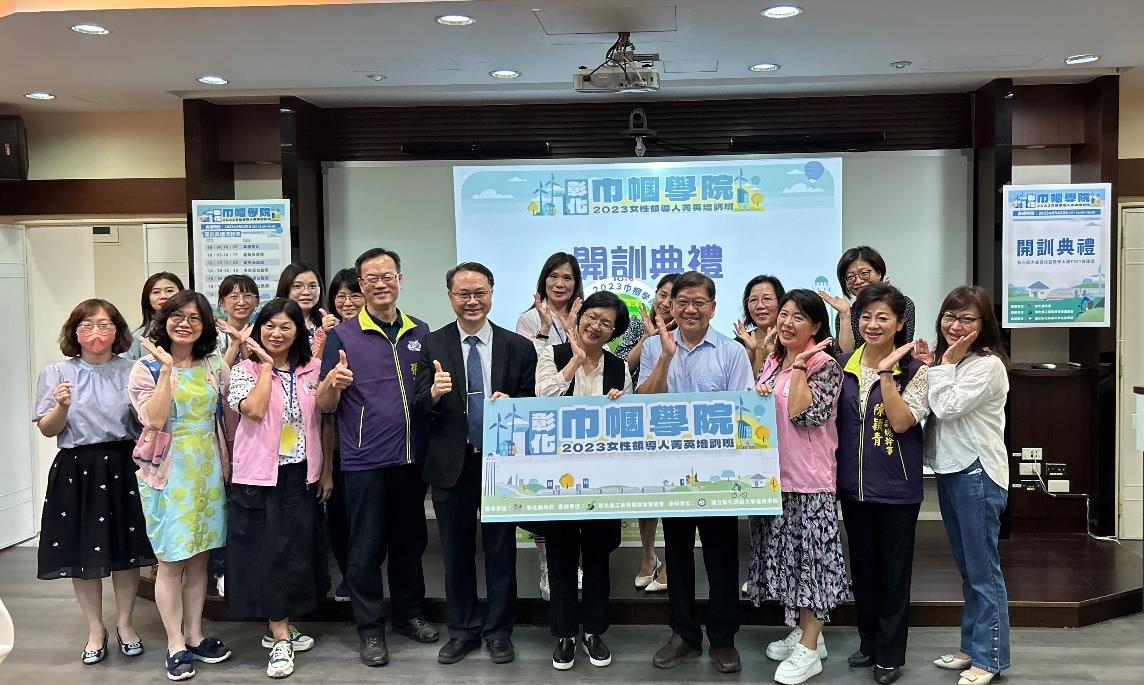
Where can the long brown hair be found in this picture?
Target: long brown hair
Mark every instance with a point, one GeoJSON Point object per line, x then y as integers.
{"type": "Point", "coordinates": [989, 338]}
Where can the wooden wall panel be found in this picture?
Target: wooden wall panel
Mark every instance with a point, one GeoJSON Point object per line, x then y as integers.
{"type": "Point", "coordinates": [90, 196]}
{"type": "Point", "coordinates": [583, 129]}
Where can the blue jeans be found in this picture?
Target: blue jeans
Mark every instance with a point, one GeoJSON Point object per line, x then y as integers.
{"type": "Point", "coordinates": [971, 506]}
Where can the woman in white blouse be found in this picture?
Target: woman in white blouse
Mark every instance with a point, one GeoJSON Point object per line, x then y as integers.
{"type": "Point", "coordinates": [557, 286]}
{"type": "Point", "coordinates": [582, 367]}
{"type": "Point", "coordinates": [965, 447]}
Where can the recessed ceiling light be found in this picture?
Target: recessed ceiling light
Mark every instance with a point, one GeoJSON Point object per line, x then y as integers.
{"type": "Point", "coordinates": [1009, 95]}
{"type": "Point", "coordinates": [455, 20]}
{"type": "Point", "coordinates": [213, 80]}
{"type": "Point", "coordinates": [39, 95]}
{"type": "Point", "coordinates": [90, 29]}
{"type": "Point", "coordinates": [504, 73]}
{"type": "Point", "coordinates": [901, 64]}
{"type": "Point", "coordinates": [1036, 147]}
{"type": "Point", "coordinates": [375, 77]}
{"type": "Point", "coordinates": [1082, 59]}
{"type": "Point", "coordinates": [765, 66]}
{"type": "Point", "coordinates": [782, 11]}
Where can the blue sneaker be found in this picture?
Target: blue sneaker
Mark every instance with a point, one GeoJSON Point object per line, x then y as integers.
{"type": "Point", "coordinates": [210, 651]}
{"type": "Point", "coordinates": [181, 665]}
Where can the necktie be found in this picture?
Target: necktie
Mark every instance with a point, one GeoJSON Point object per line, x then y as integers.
{"type": "Point", "coordinates": [475, 382]}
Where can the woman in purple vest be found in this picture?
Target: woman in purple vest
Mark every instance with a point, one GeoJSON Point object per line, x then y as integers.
{"type": "Point", "coordinates": [276, 467]}
{"type": "Point", "coordinates": [583, 367]}
{"type": "Point", "coordinates": [883, 403]}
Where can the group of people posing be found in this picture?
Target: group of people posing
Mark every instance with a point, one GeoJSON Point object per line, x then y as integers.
{"type": "Point", "coordinates": [274, 433]}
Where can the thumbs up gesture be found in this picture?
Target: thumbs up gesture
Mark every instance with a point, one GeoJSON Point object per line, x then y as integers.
{"type": "Point", "coordinates": [343, 377]}
{"type": "Point", "coordinates": [442, 382]}
{"type": "Point", "coordinates": [328, 320]}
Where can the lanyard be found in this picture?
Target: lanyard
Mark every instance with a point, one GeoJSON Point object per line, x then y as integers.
{"type": "Point", "coordinates": [290, 398]}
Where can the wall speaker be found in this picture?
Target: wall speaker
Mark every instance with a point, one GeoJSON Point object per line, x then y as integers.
{"type": "Point", "coordinates": [13, 149]}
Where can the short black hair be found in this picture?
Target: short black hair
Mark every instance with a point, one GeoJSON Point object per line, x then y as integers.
{"type": "Point", "coordinates": [287, 279]}
{"type": "Point", "coordinates": [299, 353]}
{"type": "Point", "coordinates": [374, 253]}
{"type": "Point", "coordinates": [666, 279]}
{"type": "Point", "coordinates": [345, 277]}
{"type": "Point", "coordinates": [145, 301]}
{"type": "Point", "coordinates": [811, 305]}
{"type": "Point", "coordinates": [208, 337]}
{"type": "Point", "coordinates": [694, 279]}
{"type": "Point", "coordinates": [468, 266]}
{"type": "Point", "coordinates": [244, 283]}
{"type": "Point", "coordinates": [862, 252]}
{"type": "Point", "coordinates": [606, 299]}
{"type": "Point", "coordinates": [774, 282]}
{"type": "Point", "coordinates": [895, 300]}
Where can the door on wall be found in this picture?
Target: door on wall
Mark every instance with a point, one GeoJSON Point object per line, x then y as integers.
{"type": "Point", "coordinates": [1130, 340]}
{"type": "Point", "coordinates": [17, 481]}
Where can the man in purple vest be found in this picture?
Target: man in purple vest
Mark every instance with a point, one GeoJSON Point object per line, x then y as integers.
{"type": "Point", "coordinates": [368, 367]}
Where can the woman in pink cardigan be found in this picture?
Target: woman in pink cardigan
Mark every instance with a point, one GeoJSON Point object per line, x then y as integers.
{"type": "Point", "coordinates": [277, 479]}
{"type": "Point", "coordinates": [796, 558]}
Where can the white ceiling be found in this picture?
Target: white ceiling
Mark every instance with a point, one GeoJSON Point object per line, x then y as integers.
{"type": "Point", "coordinates": [323, 53]}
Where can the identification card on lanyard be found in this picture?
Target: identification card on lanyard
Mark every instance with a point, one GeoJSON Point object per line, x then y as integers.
{"type": "Point", "coordinates": [288, 438]}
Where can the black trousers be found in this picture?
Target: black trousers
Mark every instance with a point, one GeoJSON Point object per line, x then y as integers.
{"type": "Point", "coordinates": [720, 539]}
{"type": "Point", "coordinates": [457, 509]}
{"type": "Point", "coordinates": [569, 542]}
{"type": "Point", "coordinates": [881, 542]}
{"type": "Point", "coordinates": [386, 512]}
{"type": "Point", "coordinates": [337, 523]}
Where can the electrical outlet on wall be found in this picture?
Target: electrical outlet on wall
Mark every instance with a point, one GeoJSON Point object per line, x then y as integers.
{"type": "Point", "coordinates": [1030, 468]}
{"type": "Point", "coordinates": [1031, 453]}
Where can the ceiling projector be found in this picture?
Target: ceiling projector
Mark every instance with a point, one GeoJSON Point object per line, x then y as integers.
{"type": "Point", "coordinates": [621, 78]}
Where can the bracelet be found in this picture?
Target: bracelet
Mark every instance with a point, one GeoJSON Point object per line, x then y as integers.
{"type": "Point", "coordinates": [796, 366]}
{"type": "Point", "coordinates": [882, 371]}
{"type": "Point", "coordinates": [541, 336]}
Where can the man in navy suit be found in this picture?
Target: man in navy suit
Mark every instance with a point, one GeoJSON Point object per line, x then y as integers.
{"type": "Point", "coordinates": [462, 364]}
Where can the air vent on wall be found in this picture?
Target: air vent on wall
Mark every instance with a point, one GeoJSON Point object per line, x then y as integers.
{"type": "Point", "coordinates": [105, 234]}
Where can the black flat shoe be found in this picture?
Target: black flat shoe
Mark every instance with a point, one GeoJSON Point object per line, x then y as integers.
{"type": "Point", "coordinates": [417, 629]}
{"type": "Point", "coordinates": [374, 652]}
{"type": "Point", "coordinates": [129, 648]}
{"type": "Point", "coordinates": [885, 676]}
{"type": "Point", "coordinates": [859, 660]}
{"type": "Point", "coordinates": [94, 656]}
{"type": "Point", "coordinates": [457, 648]}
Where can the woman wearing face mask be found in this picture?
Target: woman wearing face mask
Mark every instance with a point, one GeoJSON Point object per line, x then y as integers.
{"type": "Point", "coordinates": [558, 285]}
{"type": "Point", "coordinates": [176, 389]}
{"type": "Point", "coordinates": [652, 576]}
{"type": "Point", "coordinates": [757, 330]}
{"type": "Point", "coordinates": [796, 558]}
{"type": "Point", "coordinates": [965, 447]}
{"type": "Point", "coordinates": [302, 283]}
{"type": "Point", "coordinates": [277, 466]}
{"type": "Point", "coordinates": [582, 367]}
{"type": "Point", "coordinates": [857, 268]}
{"type": "Point", "coordinates": [157, 289]}
{"type": "Point", "coordinates": [884, 400]}
{"type": "Point", "coordinates": [92, 525]}
{"type": "Point", "coordinates": [346, 300]}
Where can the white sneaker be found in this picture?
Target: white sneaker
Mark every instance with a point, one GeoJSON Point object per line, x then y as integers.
{"type": "Point", "coordinates": [281, 660]}
{"type": "Point", "coordinates": [802, 665]}
{"type": "Point", "coordinates": [781, 650]}
{"type": "Point", "coordinates": [298, 641]}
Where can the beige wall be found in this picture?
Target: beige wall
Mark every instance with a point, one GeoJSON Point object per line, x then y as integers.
{"type": "Point", "coordinates": [105, 145]}
{"type": "Point", "coordinates": [257, 181]}
{"type": "Point", "coordinates": [1131, 120]}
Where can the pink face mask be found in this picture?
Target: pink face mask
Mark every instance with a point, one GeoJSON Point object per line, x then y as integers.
{"type": "Point", "coordinates": [96, 341]}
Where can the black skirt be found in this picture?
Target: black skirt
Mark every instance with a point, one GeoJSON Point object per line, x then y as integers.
{"type": "Point", "coordinates": [92, 524]}
{"type": "Point", "coordinates": [270, 548]}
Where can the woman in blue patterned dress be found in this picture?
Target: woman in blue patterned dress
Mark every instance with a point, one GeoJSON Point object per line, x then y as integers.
{"type": "Point", "coordinates": [176, 389]}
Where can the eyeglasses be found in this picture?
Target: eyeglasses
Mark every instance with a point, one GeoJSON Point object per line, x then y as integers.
{"type": "Point", "coordinates": [178, 318]}
{"type": "Point", "coordinates": [593, 320]}
{"type": "Point", "coordinates": [374, 279]}
{"type": "Point", "coordinates": [855, 276]}
{"type": "Point", "coordinates": [465, 296]}
{"type": "Point", "coordinates": [299, 287]}
{"type": "Point", "coordinates": [698, 304]}
{"type": "Point", "coordinates": [765, 299]}
{"type": "Point", "coordinates": [243, 297]}
{"type": "Point", "coordinates": [949, 319]}
{"type": "Point", "coordinates": [89, 326]}
{"type": "Point", "coordinates": [349, 297]}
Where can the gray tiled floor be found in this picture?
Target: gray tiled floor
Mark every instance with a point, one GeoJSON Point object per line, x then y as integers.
{"type": "Point", "coordinates": [50, 633]}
